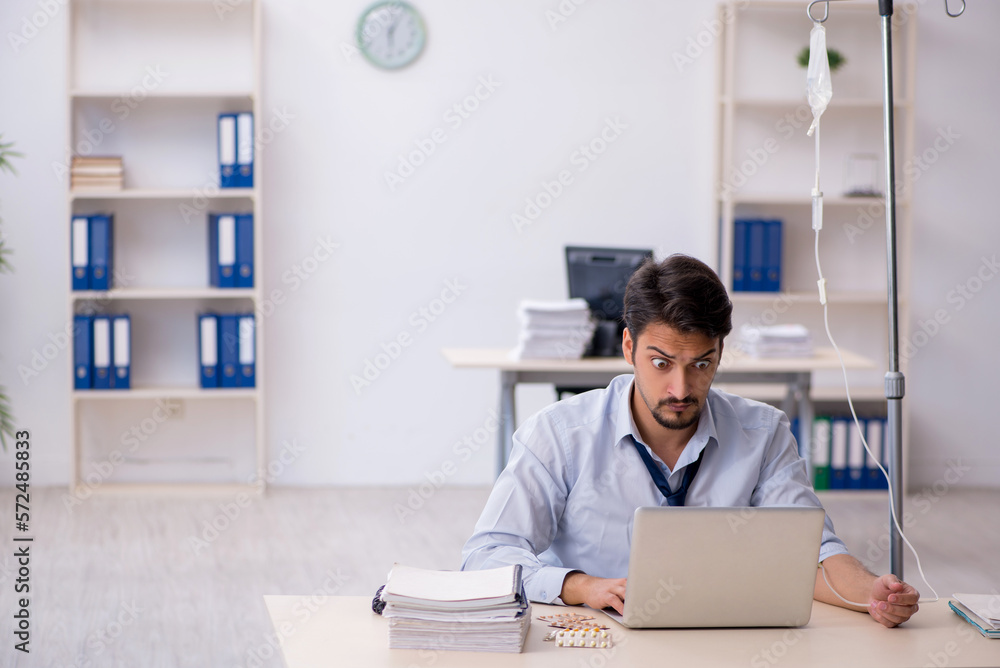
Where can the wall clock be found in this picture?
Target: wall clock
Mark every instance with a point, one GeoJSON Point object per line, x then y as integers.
{"type": "Point", "coordinates": [391, 34]}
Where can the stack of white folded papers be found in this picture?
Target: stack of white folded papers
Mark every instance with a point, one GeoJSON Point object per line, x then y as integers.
{"type": "Point", "coordinates": [776, 341]}
{"type": "Point", "coordinates": [472, 611]}
{"type": "Point", "coordinates": [553, 330]}
{"type": "Point", "coordinates": [980, 610]}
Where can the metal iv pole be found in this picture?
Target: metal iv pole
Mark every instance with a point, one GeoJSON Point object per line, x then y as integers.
{"type": "Point", "coordinates": [895, 383]}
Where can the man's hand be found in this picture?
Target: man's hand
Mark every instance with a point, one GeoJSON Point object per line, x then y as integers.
{"type": "Point", "coordinates": [598, 593]}
{"type": "Point", "coordinates": [892, 602]}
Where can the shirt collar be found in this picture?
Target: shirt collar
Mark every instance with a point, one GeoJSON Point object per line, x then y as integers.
{"type": "Point", "coordinates": [625, 426]}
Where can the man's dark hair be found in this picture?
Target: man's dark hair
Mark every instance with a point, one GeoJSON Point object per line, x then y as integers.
{"type": "Point", "coordinates": [681, 292]}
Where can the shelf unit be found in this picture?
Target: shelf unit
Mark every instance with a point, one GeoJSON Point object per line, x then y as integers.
{"type": "Point", "coordinates": [147, 80]}
{"type": "Point", "coordinates": [765, 169]}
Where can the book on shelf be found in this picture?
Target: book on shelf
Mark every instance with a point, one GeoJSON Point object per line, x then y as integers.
{"type": "Point", "coordinates": [102, 352]}
{"type": "Point", "coordinates": [244, 150]}
{"type": "Point", "coordinates": [856, 476]}
{"type": "Point", "coordinates": [89, 173]}
{"type": "Point", "coordinates": [757, 255]}
{"type": "Point", "coordinates": [236, 150]}
{"type": "Point", "coordinates": [838, 453]}
{"type": "Point", "coordinates": [80, 252]}
{"type": "Point", "coordinates": [121, 352]}
{"type": "Point", "coordinates": [839, 459]}
{"type": "Point", "coordinates": [83, 352]}
{"type": "Point", "coordinates": [227, 350]}
{"type": "Point", "coordinates": [875, 436]}
{"type": "Point", "coordinates": [821, 453]}
{"type": "Point", "coordinates": [229, 342]}
{"type": "Point", "coordinates": [208, 349]}
{"type": "Point", "coordinates": [97, 183]}
{"type": "Point", "coordinates": [230, 250]}
{"type": "Point", "coordinates": [101, 251]}
{"type": "Point", "coordinates": [91, 246]}
{"type": "Point", "coordinates": [477, 611]}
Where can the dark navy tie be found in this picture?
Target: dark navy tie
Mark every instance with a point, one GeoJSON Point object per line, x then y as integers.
{"type": "Point", "coordinates": [673, 498]}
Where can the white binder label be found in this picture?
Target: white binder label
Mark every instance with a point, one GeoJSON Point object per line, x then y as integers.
{"type": "Point", "coordinates": [227, 241]}
{"type": "Point", "coordinates": [874, 437]}
{"type": "Point", "coordinates": [246, 341]}
{"type": "Point", "coordinates": [209, 342]}
{"type": "Point", "coordinates": [102, 343]}
{"type": "Point", "coordinates": [244, 138]}
{"type": "Point", "coordinates": [122, 342]}
{"type": "Point", "coordinates": [855, 447]}
{"type": "Point", "coordinates": [80, 242]}
{"type": "Point", "coordinates": [227, 140]}
{"type": "Point", "coordinates": [821, 443]}
{"type": "Point", "coordinates": [838, 445]}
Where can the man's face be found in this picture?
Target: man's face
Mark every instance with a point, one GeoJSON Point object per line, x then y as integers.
{"type": "Point", "coordinates": [673, 372]}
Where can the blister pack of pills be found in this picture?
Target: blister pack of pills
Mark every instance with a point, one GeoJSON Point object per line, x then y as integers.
{"type": "Point", "coordinates": [592, 638]}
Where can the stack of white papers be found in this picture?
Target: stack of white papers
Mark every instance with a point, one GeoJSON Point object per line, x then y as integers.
{"type": "Point", "coordinates": [980, 610]}
{"type": "Point", "coordinates": [776, 341]}
{"type": "Point", "coordinates": [473, 611]}
{"type": "Point", "coordinates": [553, 330]}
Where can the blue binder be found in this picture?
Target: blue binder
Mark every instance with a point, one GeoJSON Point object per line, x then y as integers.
{"type": "Point", "coordinates": [838, 453]}
{"type": "Point", "coordinates": [227, 151]}
{"type": "Point", "coordinates": [741, 233]}
{"type": "Point", "coordinates": [244, 250]}
{"type": "Point", "coordinates": [757, 255]}
{"type": "Point", "coordinates": [101, 247]}
{"type": "Point", "coordinates": [855, 455]}
{"type": "Point", "coordinates": [876, 441]}
{"type": "Point", "coordinates": [244, 150]}
{"type": "Point", "coordinates": [222, 250]}
{"type": "Point", "coordinates": [772, 256]}
{"type": "Point", "coordinates": [247, 351]}
{"type": "Point", "coordinates": [80, 252]}
{"type": "Point", "coordinates": [121, 360]}
{"type": "Point", "coordinates": [83, 351]}
{"type": "Point", "coordinates": [102, 352]}
{"type": "Point", "coordinates": [229, 341]}
{"type": "Point", "coordinates": [208, 349]}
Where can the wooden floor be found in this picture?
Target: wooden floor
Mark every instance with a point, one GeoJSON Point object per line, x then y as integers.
{"type": "Point", "coordinates": [177, 581]}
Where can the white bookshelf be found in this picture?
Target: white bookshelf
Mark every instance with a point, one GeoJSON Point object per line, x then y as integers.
{"type": "Point", "coordinates": [761, 98]}
{"type": "Point", "coordinates": [147, 80]}
{"type": "Point", "coordinates": [164, 193]}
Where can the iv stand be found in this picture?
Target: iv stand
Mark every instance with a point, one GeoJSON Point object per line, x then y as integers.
{"type": "Point", "coordinates": [895, 382]}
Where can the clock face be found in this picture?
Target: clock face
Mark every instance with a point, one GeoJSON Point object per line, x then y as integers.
{"type": "Point", "coordinates": [391, 34]}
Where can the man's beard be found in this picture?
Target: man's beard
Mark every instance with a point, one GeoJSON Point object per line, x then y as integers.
{"type": "Point", "coordinates": [671, 420]}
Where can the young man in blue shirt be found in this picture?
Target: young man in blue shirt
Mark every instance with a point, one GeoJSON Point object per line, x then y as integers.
{"type": "Point", "coordinates": [563, 506]}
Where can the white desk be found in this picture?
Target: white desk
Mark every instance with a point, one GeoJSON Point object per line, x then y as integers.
{"type": "Point", "coordinates": [317, 631]}
{"type": "Point", "coordinates": [794, 373]}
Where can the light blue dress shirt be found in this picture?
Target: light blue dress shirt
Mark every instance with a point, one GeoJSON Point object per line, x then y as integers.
{"type": "Point", "coordinates": [567, 497]}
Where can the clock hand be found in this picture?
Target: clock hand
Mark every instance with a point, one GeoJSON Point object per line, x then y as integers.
{"type": "Point", "coordinates": [391, 30]}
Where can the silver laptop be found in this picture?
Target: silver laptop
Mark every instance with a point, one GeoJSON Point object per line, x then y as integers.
{"type": "Point", "coordinates": [722, 567]}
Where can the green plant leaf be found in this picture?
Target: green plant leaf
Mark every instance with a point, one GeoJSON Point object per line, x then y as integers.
{"type": "Point", "coordinates": [6, 154]}
{"type": "Point", "coordinates": [837, 59]}
{"type": "Point", "coordinates": [6, 419]}
{"type": "Point", "coordinates": [5, 266]}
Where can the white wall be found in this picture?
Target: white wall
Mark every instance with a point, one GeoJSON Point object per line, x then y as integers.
{"type": "Point", "coordinates": [952, 381]}
{"type": "Point", "coordinates": [451, 219]}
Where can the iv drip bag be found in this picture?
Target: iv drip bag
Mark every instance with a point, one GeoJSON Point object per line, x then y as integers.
{"type": "Point", "coordinates": [819, 88]}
